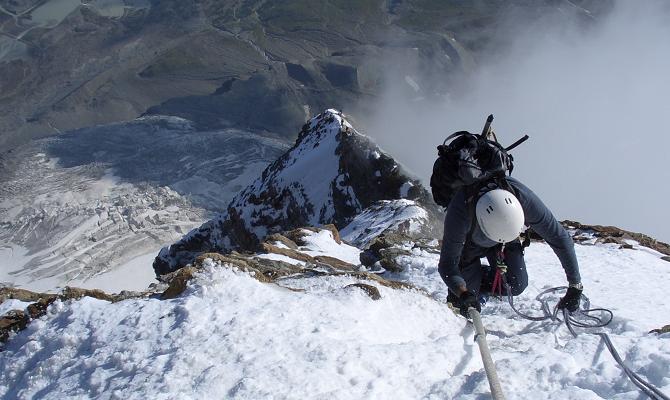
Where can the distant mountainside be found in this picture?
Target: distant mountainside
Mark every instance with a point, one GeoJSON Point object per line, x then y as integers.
{"type": "Point", "coordinates": [331, 175]}
{"type": "Point", "coordinates": [254, 65]}
{"type": "Point", "coordinates": [93, 207]}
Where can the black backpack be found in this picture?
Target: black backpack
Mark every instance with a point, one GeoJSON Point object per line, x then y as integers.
{"type": "Point", "coordinates": [470, 161]}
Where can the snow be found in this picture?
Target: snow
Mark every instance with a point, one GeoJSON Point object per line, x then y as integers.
{"type": "Point", "coordinates": [387, 214]}
{"type": "Point", "coordinates": [12, 304]}
{"type": "Point", "coordinates": [404, 189]}
{"type": "Point", "coordinates": [280, 257]}
{"type": "Point", "coordinates": [135, 275]}
{"type": "Point", "coordinates": [322, 244]}
{"type": "Point", "coordinates": [231, 336]}
{"type": "Point", "coordinates": [308, 174]}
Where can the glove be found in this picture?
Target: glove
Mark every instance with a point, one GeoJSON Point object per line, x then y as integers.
{"type": "Point", "coordinates": [571, 299]}
{"type": "Point", "coordinates": [467, 300]}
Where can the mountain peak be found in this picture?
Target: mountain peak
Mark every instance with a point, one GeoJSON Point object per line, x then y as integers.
{"type": "Point", "coordinates": [330, 175]}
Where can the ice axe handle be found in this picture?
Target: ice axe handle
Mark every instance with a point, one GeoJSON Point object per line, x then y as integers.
{"type": "Point", "coordinates": [489, 366]}
{"type": "Point", "coordinates": [487, 126]}
{"type": "Point", "coordinates": [518, 142]}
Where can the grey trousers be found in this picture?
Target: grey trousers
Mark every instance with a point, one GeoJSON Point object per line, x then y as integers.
{"type": "Point", "coordinates": [479, 278]}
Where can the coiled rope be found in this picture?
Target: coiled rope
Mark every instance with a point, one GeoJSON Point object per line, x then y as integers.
{"type": "Point", "coordinates": [589, 322]}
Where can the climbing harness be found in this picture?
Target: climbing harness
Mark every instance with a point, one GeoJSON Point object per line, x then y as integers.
{"type": "Point", "coordinates": [501, 269]}
{"type": "Point", "coordinates": [589, 321]}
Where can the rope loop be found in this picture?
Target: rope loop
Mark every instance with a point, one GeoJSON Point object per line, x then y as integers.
{"type": "Point", "coordinates": [584, 318]}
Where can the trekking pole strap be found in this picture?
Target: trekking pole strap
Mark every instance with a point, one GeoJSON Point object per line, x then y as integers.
{"type": "Point", "coordinates": [489, 366]}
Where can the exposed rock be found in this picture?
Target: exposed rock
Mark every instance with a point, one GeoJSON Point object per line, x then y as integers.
{"type": "Point", "coordinates": [385, 249]}
{"type": "Point", "coordinates": [666, 258]}
{"type": "Point", "coordinates": [39, 308]}
{"type": "Point", "coordinates": [336, 234]}
{"type": "Point", "coordinates": [612, 234]}
{"type": "Point", "coordinates": [20, 294]}
{"type": "Point", "coordinates": [277, 237]}
{"type": "Point", "coordinates": [335, 263]}
{"type": "Point", "coordinates": [665, 329]}
{"type": "Point", "coordinates": [387, 240]}
{"type": "Point", "coordinates": [294, 254]}
{"type": "Point", "coordinates": [17, 320]}
{"type": "Point", "coordinates": [261, 269]}
{"type": "Point", "coordinates": [78, 293]}
{"type": "Point", "coordinates": [13, 321]}
{"type": "Point", "coordinates": [427, 244]}
{"type": "Point", "coordinates": [368, 258]}
{"type": "Point", "coordinates": [370, 290]}
{"type": "Point", "coordinates": [178, 282]}
{"type": "Point", "coordinates": [297, 235]}
{"type": "Point", "coordinates": [270, 271]}
{"type": "Point", "coordinates": [389, 259]}
{"type": "Point", "coordinates": [69, 293]}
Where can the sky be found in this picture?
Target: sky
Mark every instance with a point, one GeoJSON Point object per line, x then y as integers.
{"type": "Point", "coordinates": [594, 101]}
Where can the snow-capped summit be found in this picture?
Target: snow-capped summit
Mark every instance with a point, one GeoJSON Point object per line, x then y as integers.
{"type": "Point", "coordinates": [329, 176]}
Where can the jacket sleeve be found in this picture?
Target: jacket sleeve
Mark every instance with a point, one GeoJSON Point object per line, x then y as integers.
{"type": "Point", "coordinates": [542, 221]}
{"type": "Point", "coordinates": [456, 227]}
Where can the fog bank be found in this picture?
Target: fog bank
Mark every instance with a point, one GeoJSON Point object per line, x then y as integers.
{"type": "Point", "coordinates": [593, 100]}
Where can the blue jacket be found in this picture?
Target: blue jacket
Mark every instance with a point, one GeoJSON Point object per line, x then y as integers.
{"type": "Point", "coordinates": [458, 222]}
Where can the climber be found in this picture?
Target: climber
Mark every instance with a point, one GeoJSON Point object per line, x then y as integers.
{"type": "Point", "coordinates": [493, 232]}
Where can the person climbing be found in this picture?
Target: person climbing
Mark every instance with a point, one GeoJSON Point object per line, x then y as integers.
{"type": "Point", "coordinates": [500, 217]}
{"type": "Point", "coordinates": [487, 211]}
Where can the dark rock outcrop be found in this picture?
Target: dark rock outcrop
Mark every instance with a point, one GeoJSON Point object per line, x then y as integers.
{"type": "Point", "coordinates": [13, 321]}
{"type": "Point", "coordinates": [178, 282]}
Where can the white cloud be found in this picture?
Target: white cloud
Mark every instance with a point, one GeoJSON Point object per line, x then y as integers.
{"type": "Point", "coordinates": [593, 98]}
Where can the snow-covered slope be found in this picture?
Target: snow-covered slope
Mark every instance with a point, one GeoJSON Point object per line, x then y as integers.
{"type": "Point", "coordinates": [93, 207]}
{"type": "Point", "coordinates": [329, 176]}
{"type": "Point", "coordinates": [312, 336]}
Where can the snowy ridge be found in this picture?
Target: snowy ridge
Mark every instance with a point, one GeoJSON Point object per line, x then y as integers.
{"type": "Point", "coordinates": [311, 335]}
{"type": "Point", "coordinates": [329, 176]}
{"type": "Point", "coordinates": [307, 176]}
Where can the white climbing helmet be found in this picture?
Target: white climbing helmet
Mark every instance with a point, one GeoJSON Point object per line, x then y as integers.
{"type": "Point", "coordinates": [500, 215]}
